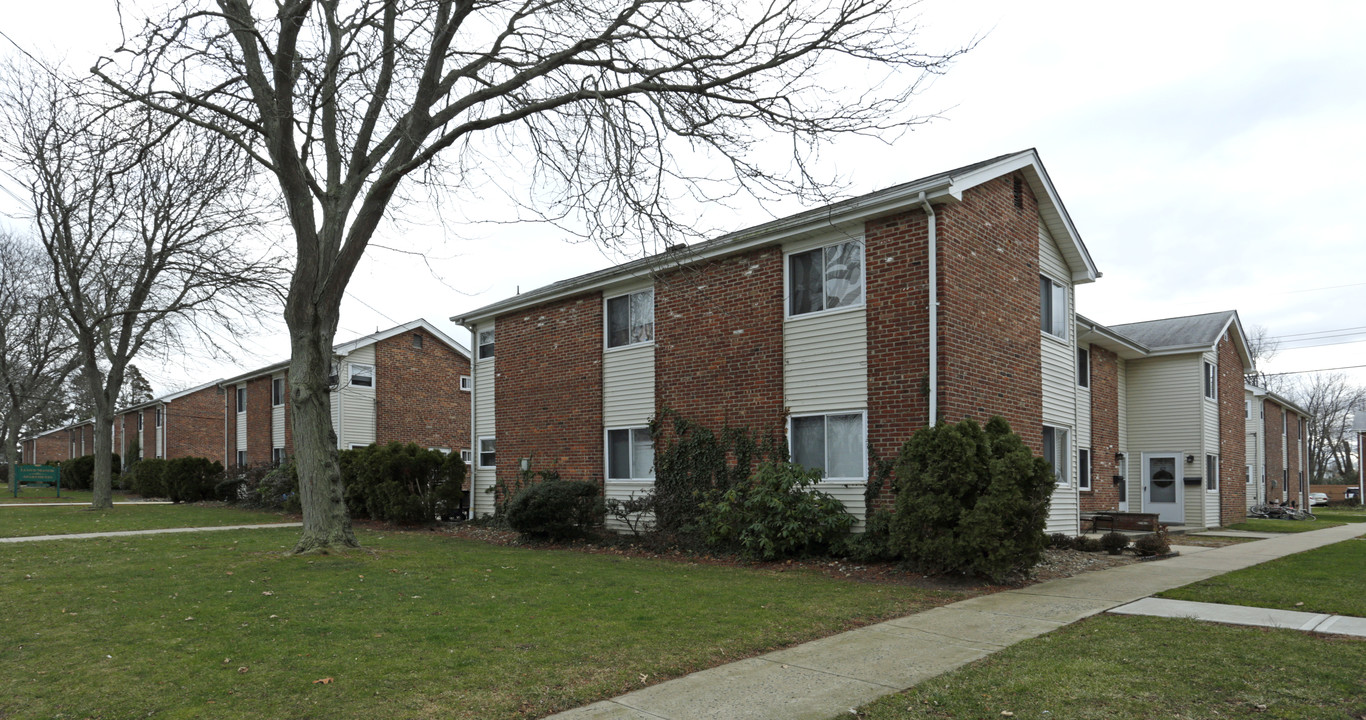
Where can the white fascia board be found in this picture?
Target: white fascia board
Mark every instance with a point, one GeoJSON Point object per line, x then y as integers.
{"type": "Point", "coordinates": [350, 347]}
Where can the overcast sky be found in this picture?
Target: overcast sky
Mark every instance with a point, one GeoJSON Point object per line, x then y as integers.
{"type": "Point", "coordinates": [1210, 155]}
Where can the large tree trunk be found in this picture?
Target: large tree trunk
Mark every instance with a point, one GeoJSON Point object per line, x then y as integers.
{"type": "Point", "coordinates": [326, 522]}
{"type": "Point", "coordinates": [11, 440]}
{"type": "Point", "coordinates": [102, 486]}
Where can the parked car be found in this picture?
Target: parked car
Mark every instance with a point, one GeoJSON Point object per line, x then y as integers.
{"type": "Point", "coordinates": [1318, 499]}
{"type": "Point", "coordinates": [1350, 493]}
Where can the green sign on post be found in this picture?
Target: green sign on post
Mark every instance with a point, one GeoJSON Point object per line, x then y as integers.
{"type": "Point", "coordinates": [36, 475]}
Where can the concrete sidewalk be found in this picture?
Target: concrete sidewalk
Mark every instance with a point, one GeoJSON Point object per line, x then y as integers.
{"type": "Point", "coordinates": [1244, 615]}
{"type": "Point", "coordinates": [826, 678]}
{"type": "Point", "coordinates": [158, 531]}
{"type": "Point", "coordinates": [84, 504]}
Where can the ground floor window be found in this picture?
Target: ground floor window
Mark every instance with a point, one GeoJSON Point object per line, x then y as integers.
{"type": "Point", "coordinates": [467, 456]}
{"type": "Point", "coordinates": [487, 457]}
{"type": "Point", "coordinates": [1084, 469]}
{"type": "Point", "coordinates": [1056, 450]}
{"type": "Point", "coordinates": [241, 458]}
{"type": "Point", "coordinates": [277, 456]}
{"type": "Point", "coordinates": [832, 443]}
{"type": "Point", "coordinates": [630, 454]}
{"type": "Point", "coordinates": [1212, 473]}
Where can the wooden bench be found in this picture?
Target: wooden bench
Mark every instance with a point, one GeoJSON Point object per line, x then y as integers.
{"type": "Point", "coordinates": [1114, 520]}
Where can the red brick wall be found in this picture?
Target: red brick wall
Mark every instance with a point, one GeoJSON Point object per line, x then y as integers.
{"type": "Point", "coordinates": [719, 342]}
{"type": "Point", "coordinates": [194, 425]}
{"type": "Point", "coordinates": [1104, 493]}
{"type": "Point", "coordinates": [989, 354]}
{"type": "Point", "coordinates": [417, 392]}
{"type": "Point", "coordinates": [1292, 454]}
{"type": "Point", "coordinates": [1232, 435]}
{"type": "Point", "coordinates": [52, 446]}
{"type": "Point", "coordinates": [1275, 461]}
{"type": "Point", "coordinates": [897, 297]}
{"type": "Point", "coordinates": [259, 441]}
{"type": "Point", "coordinates": [549, 389]}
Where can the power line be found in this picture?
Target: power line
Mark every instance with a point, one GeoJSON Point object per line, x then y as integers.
{"type": "Point", "coordinates": [1317, 332]}
{"type": "Point", "coordinates": [1344, 342]}
{"type": "Point", "coordinates": [1301, 372]}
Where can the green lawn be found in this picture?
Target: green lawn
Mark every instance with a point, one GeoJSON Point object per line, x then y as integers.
{"type": "Point", "coordinates": [1283, 526]}
{"type": "Point", "coordinates": [44, 494]}
{"type": "Point", "coordinates": [1110, 667]}
{"type": "Point", "coordinates": [419, 625]}
{"type": "Point", "coordinates": [1340, 514]}
{"type": "Point", "coordinates": [1331, 579]}
{"type": "Point", "coordinates": [24, 522]}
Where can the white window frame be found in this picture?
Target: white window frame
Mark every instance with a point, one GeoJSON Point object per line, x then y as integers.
{"type": "Point", "coordinates": [863, 443]}
{"type": "Point", "coordinates": [1083, 368]}
{"type": "Point", "coordinates": [466, 383]}
{"type": "Point", "coordinates": [467, 456]}
{"type": "Point", "coordinates": [493, 451]}
{"type": "Point", "coordinates": [633, 474]}
{"type": "Point", "coordinates": [352, 369]}
{"type": "Point", "coordinates": [1247, 409]}
{"type": "Point", "coordinates": [1062, 475]}
{"type": "Point", "coordinates": [1251, 474]}
{"type": "Point", "coordinates": [1211, 380]}
{"type": "Point", "coordinates": [630, 322]}
{"type": "Point", "coordinates": [241, 399]}
{"type": "Point", "coordinates": [140, 412]}
{"type": "Point", "coordinates": [790, 297]}
{"type": "Point", "coordinates": [1211, 473]}
{"type": "Point", "coordinates": [277, 456]}
{"type": "Point", "coordinates": [241, 458]}
{"type": "Point", "coordinates": [277, 397]}
{"type": "Point", "coordinates": [480, 343]}
{"type": "Point", "coordinates": [157, 417]}
{"type": "Point", "coordinates": [1285, 423]}
{"type": "Point", "coordinates": [1050, 323]}
{"type": "Point", "coordinates": [1084, 480]}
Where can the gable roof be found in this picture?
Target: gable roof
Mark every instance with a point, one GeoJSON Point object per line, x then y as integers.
{"type": "Point", "coordinates": [1259, 391]}
{"type": "Point", "coordinates": [940, 188]}
{"type": "Point", "coordinates": [167, 397]}
{"type": "Point", "coordinates": [1189, 333]}
{"type": "Point", "coordinates": [351, 346]}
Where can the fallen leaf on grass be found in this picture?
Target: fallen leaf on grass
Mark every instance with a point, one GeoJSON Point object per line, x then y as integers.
{"type": "Point", "coordinates": [242, 670]}
{"type": "Point", "coordinates": [323, 681]}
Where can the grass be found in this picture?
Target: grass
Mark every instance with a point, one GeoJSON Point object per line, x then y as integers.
{"type": "Point", "coordinates": [1282, 526]}
{"type": "Point", "coordinates": [1331, 579]}
{"type": "Point", "coordinates": [26, 522]}
{"type": "Point", "coordinates": [1340, 514]}
{"type": "Point", "coordinates": [1137, 667]}
{"type": "Point", "coordinates": [44, 494]}
{"type": "Point", "coordinates": [420, 625]}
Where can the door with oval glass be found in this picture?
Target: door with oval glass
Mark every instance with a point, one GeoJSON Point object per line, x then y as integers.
{"type": "Point", "coordinates": [1162, 490]}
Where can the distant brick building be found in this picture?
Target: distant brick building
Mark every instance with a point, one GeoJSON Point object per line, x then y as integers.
{"type": "Point", "coordinates": [188, 423]}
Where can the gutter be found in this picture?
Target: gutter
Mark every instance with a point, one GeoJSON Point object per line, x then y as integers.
{"type": "Point", "coordinates": [933, 254]}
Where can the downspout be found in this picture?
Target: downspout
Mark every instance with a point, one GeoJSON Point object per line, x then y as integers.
{"type": "Point", "coordinates": [933, 254]}
{"type": "Point", "coordinates": [225, 425]}
{"type": "Point", "coordinates": [474, 434]}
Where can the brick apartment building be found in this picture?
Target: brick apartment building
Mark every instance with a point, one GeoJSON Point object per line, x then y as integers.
{"type": "Point", "coordinates": [64, 443]}
{"type": "Point", "coordinates": [188, 423]}
{"type": "Point", "coordinates": [1167, 424]}
{"type": "Point", "coordinates": [1276, 440]}
{"type": "Point", "coordinates": [843, 327]}
{"type": "Point", "coordinates": [409, 383]}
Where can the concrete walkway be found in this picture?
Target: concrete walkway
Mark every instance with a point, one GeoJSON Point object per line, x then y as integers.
{"type": "Point", "coordinates": [1242, 615]}
{"type": "Point", "coordinates": [826, 678]}
{"type": "Point", "coordinates": [159, 531]}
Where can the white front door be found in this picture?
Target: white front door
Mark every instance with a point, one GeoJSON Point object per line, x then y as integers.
{"type": "Point", "coordinates": [1162, 487]}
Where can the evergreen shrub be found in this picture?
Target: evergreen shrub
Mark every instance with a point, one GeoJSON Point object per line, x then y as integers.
{"type": "Point", "coordinates": [79, 473]}
{"type": "Point", "coordinates": [556, 509]}
{"type": "Point", "coordinates": [971, 500]}
{"type": "Point", "coordinates": [192, 479]}
{"type": "Point", "coordinates": [402, 483]}
{"type": "Point", "coordinates": [148, 478]}
{"type": "Point", "coordinates": [777, 513]}
{"type": "Point", "coordinates": [1114, 542]}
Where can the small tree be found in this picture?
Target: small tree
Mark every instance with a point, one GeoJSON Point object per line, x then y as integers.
{"type": "Point", "coordinates": [971, 500]}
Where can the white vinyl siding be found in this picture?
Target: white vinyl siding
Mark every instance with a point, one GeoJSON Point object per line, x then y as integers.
{"type": "Point", "coordinates": [1210, 429]}
{"type": "Point", "coordinates": [628, 386]}
{"type": "Point", "coordinates": [484, 426]}
{"type": "Point", "coordinates": [1166, 415]}
{"type": "Point", "coordinates": [825, 362]}
{"type": "Point", "coordinates": [354, 405]}
{"type": "Point", "coordinates": [1060, 397]}
{"type": "Point", "coordinates": [241, 420]}
{"type": "Point", "coordinates": [1253, 426]}
{"type": "Point", "coordinates": [825, 370]}
{"type": "Point", "coordinates": [1122, 383]}
{"type": "Point", "coordinates": [277, 417]}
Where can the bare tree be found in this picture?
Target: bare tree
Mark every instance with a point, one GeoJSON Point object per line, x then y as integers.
{"type": "Point", "coordinates": [37, 353]}
{"type": "Point", "coordinates": [610, 108]}
{"type": "Point", "coordinates": [144, 219]}
{"type": "Point", "coordinates": [1330, 399]}
{"type": "Point", "coordinates": [1262, 346]}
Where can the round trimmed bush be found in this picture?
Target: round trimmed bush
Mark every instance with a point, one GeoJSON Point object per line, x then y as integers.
{"type": "Point", "coordinates": [556, 509]}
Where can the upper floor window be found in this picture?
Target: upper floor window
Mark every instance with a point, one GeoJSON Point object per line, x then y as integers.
{"type": "Point", "coordinates": [485, 344]}
{"type": "Point", "coordinates": [157, 415]}
{"type": "Point", "coordinates": [1247, 409]}
{"type": "Point", "coordinates": [277, 392]}
{"type": "Point", "coordinates": [631, 318]}
{"type": "Point", "coordinates": [1285, 422]}
{"type": "Point", "coordinates": [1083, 368]}
{"type": "Point", "coordinates": [825, 278]}
{"type": "Point", "coordinates": [1052, 307]}
{"type": "Point", "coordinates": [417, 341]}
{"type": "Point", "coordinates": [241, 398]}
{"type": "Point", "coordinates": [466, 383]}
{"type": "Point", "coordinates": [139, 422]}
{"type": "Point", "coordinates": [487, 455]}
{"type": "Point", "coordinates": [1211, 381]}
{"type": "Point", "coordinates": [362, 375]}
{"type": "Point", "coordinates": [832, 444]}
